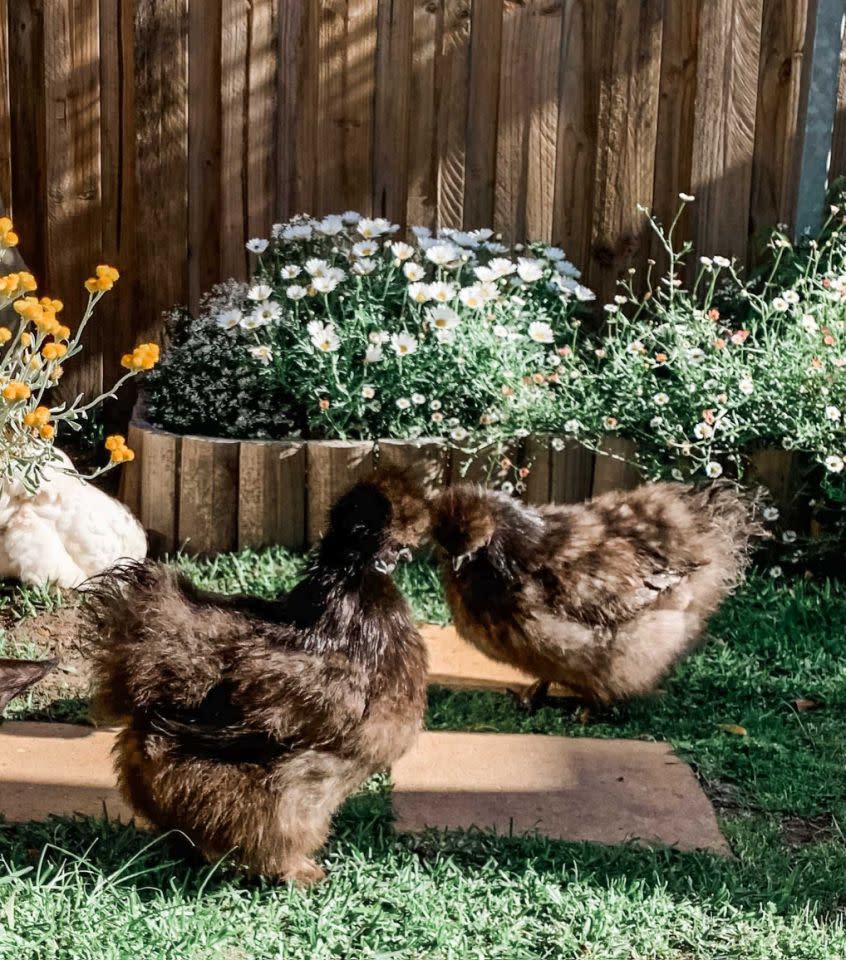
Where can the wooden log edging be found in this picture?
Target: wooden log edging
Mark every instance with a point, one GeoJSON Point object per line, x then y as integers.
{"type": "Point", "coordinates": [206, 495]}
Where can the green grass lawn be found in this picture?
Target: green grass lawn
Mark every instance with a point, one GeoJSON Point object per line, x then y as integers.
{"type": "Point", "coordinates": [84, 889]}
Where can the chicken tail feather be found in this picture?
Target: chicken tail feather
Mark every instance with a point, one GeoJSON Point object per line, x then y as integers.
{"type": "Point", "coordinates": [17, 676]}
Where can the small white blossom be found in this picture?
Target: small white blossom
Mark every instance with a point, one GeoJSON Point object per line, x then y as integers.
{"type": "Point", "coordinates": [832, 412]}
{"type": "Point", "coordinates": [330, 226]}
{"type": "Point", "coordinates": [686, 197]}
{"type": "Point", "coordinates": [351, 217]}
{"type": "Point", "coordinates": [441, 291]}
{"type": "Point", "coordinates": [323, 336]}
{"type": "Point", "coordinates": [714, 470]}
{"type": "Point", "coordinates": [365, 248]}
{"type": "Point", "coordinates": [297, 231]}
{"type": "Point", "coordinates": [403, 403]}
{"type": "Point", "coordinates": [833, 463]}
{"type": "Point", "coordinates": [775, 571]}
{"type": "Point", "coordinates": [459, 434]}
{"type": "Point", "coordinates": [257, 245]}
{"type": "Point", "coordinates": [722, 261]}
{"type": "Point", "coordinates": [403, 343]}
{"type": "Point", "coordinates": [263, 354]}
{"type": "Point", "coordinates": [472, 297]}
{"type": "Point", "coordinates": [809, 323]}
{"type": "Point", "coordinates": [660, 399]}
{"type": "Point", "coordinates": [529, 270]}
{"type": "Point", "coordinates": [502, 266]}
{"type": "Point", "coordinates": [746, 386]}
{"type": "Point", "coordinates": [541, 332]}
{"type": "Point", "coordinates": [702, 431]}
{"type": "Point", "coordinates": [325, 284]}
{"type": "Point", "coordinates": [791, 296]}
{"type": "Point", "coordinates": [442, 318]}
{"type": "Point", "coordinates": [289, 271]}
{"type": "Point", "coordinates": [295, 292]}
{"type": "Point", "coordinates": [789, 536]}
{"type": "Point", "coordinates": [364, 267]}
{"type": "Point", "coordinates": [419, 292]}
{"type": "Point", "coordinates": [371, 228]}
{"type": "Point", "coordinates": [779, 304]}
{"type": "Point", "coordinates": [229, 319]}
{"type": "Point", "coordinates": [368, 391]}
{"type": "Point", "coordinates": [435, 405]}
{"type": "Point", "coordinates": [418, 399]}
{"type": "Point", "coordinates": [373, 354]}
{"type": "Point", "coordinates": [264, 313]}
{"type": "Point", "coordinates": [500, 331]}
{"type": "Point", "coordinates": [402, 251]}
{"type": "Point", "coordinates": [443, 254]}
{"type": "Point", "coordinates": [610, 308]}
{"type": "Point", "coordinates": [413, 272]}
{"type": "Point", "coordinates": [260, 291]}
{"type": "Point", "coordinates": [770, 514]}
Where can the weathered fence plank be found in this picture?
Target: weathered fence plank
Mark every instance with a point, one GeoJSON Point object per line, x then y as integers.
{"type": "Point", "coordinates": [271, 494]}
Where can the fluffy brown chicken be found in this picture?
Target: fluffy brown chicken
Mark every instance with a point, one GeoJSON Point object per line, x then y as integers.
{"type": "Point", "coordinates": [248, 722]}
{"type": "Point", "coordinates": [16, 676]}
{"type": "Point", "coordinates": [603, 597]}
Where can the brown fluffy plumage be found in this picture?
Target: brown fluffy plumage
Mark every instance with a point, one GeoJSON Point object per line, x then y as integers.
{"type": "Point", "coordinates": [603, 597]}
{"type": "Point", "coordinates": [248, 722]}
{"type": "Point", "coordinates": [16, 676]}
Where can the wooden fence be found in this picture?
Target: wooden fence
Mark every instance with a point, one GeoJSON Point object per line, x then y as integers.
{"type": "Point", "coordinates": [159, 134]}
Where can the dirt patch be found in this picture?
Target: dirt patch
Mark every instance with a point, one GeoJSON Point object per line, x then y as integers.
{"type": "Point", "coordinates": [60, 633]}
{"type": "Point", "coordinates": [800, 831]}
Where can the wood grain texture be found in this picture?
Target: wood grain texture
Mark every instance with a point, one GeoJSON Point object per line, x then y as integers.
{"type": "Point", "coordinates": [297, 146]}
{"type": "Point", "coordinates": [161, 159]}
{"type": "Point", "coordinates": [571, 472]}
{"type": "Point", "coordinates": [536, 458]}
{"type": "Point", "coordinates": [129, 490]}
{"type": "Point", "coordinates": [271, 494]}
{"type": "Point", "coordinates": [482, 113]}
{"type": "Point", "coordinates": [838, 143]}
{"type": "Point", "coordinates": [614, 467]}
{"type": "Point", "coordinates": [345, 105]}
{"type": "Point", "coordinates": [427, 461]}
{"type": "Point", "coordinates": [427, 31]}
{"type": "Point", "coordinates": [775, 173]}
{"type": "Point", "coordinates": [159, 499]}
{"type": "Point", "coordinates": [208, 495]}
{"type": "Point", "coordinates": [204, 148]}
{"type": "Point", "coordinates": [626, 141]}
{"type": "Point", "coordinates": [527, 133]}
{"type": "Point", "coordinates": [260, 146]}
{"type": "Point", "coordinates": [724, 128]}
{"type": "Point", "coordinates": [234, 122]}
{"type": "Point", "coordinates": [393, 110]}
{"type": "Point", "coordinates": [333, 467]}
{"type": "Point", "coordinates": [453, 75]}
{"type": "Point", "coordinates": [5, 110]}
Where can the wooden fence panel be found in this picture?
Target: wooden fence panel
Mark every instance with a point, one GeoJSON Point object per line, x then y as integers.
{"type": "Point", "coordinates": [164, 133]}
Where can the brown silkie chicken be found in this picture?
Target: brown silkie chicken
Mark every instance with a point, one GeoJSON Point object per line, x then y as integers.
{"type": "Point", "coordinates": [603, 597]}
{"type": "Point", "coordinates": [248, 722]}
{"type": "Point", "coordinates": [17, 676]}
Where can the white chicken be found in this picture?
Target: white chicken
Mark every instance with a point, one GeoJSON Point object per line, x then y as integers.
{"type": "Point", "coordinates": [66, 532]}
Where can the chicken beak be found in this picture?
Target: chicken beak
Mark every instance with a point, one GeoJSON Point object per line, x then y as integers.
{"type": "Point", "coordinates": [404, 554]}
{"type": "Point", "coordinates": [458, 562]}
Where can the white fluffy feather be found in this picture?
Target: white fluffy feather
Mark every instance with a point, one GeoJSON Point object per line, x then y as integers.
{"type": "Point", "coordinates": [66, 532]}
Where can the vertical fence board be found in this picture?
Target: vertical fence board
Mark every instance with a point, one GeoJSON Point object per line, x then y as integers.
{"type": "Point", "coordinates": [724, 128]}
{"type": "Point", "coordinates": [159, 497]}
{"type": "Point", "coordinates": [393, 108]}
{"type": "Point", "coordinates": [774, 169]}
{"type": "Point", "coordinates": [271, 494]}
{"type": "Point", "coordinates": [208, 495]}
{"type": "Point", "coordinates": [482, 112]}
{"type": "Point", "coordinates": [838, 145]}
{"type": "Point", "coordinates": [536, 458]}
{"type": "Point", "coordinates": [161, 161]}
{"type": "Point", "coordinates": [421, 206]}
{"type": "Point", "coordinates": [571, 472]}
{"type": "Point", "coordinates": [614, 469]}
{"type": "Point", "coordinates": [296, 127]}
{"type": "Point", "coordinates": [528, 119]}
{"type": "Point", "coordinates": [453, 72]}
{"type": "Point", "coordinates": [627, 140]}
{"type": "Point", "coordinates": [261, 116]}
{"type": "Point", "coordinates": [575, 159]}
{"type": "Point", "coordinates": [233, 138]}
{"type": "Point", "coordinates": [204, 142]}
{"type": "Point", "coordinates": [427, 461]}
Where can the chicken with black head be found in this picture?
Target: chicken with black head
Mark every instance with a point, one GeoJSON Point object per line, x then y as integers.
{"type": "Point", "coordinates": [247, 722]}
{"type": "Point", "coordinates": [603, 597]}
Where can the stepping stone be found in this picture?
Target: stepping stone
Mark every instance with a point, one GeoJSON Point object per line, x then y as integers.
{"type": "Point", "coordinates": [606, 791]}
{"type": "Point", "coordinates": [456, 664]}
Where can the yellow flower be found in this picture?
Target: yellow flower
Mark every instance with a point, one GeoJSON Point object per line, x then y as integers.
{"type": "Point", "coordinates": [5, 334]}
{"type": "Point", "coordinates": [26, 339]}
{"type": "Point", "coordinates": [48, 431]}
{"type": "Point", "coordinates": [53, 351]}
{"type": "Point", "coordinates": [104, 278]}
{"type": "Point", "coordinates": [63, 332]}
{"type": "Point", "coordinates": [8, 238]}
{"type": "Point", "coordinates": [115, 442]}
{"type": "Point", "coordinates": [56, 372]}
{"type": "Point", "coordinates": [15, 390]}
{"type": "Point", "coordinates": [144, 357]}
{"type": "Point", "coordinates": [37, 417]}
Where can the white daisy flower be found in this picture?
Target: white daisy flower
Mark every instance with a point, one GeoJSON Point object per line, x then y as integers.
{"type": "Point", "coordinates": [437, 417]}
{"type": "Point", "coordinates": [373, 354]}
{"type": "Point", "coordinates": [365, 248]}
{"type": "Point", "coordinates": [402, 251]}
{"type": "Point", "coordinates": [714, 470]}
{"type": "Point", "coordinates": [330, 226]}
{"type": "Point", "coordinates": [418, 399]}
{"type": "Point", "coordinates": [495, 247]}
{"type": "Point", "coordinates": [364, 267]}
{"type": "Point", "coordinates": [257, 245]}
{"type": "Point", "coordinates": [722, 261]}
{"type": "Point", "coordinates": [809, 323]}
{"type": "Point", "coordinates": [442, 318]}
{"type": "Point", "coordinates": [686, 197]}
{"type": "Point", "coordinates": [441, 291]}
{"type": "Point", "coordinates": [485, 274]}
{"type": "Point", "coordinates": [788, 536]}
{"type": "Point", "coordinates": [611, 308]}
{"type": "Point", "coordinates": [695, 355]}
{"type": "Point", "coordinates": [443, 254]}
{"type": "Point", "coordinates": [570, 426]}
{"type": "Point", "coordinates": [488, 291]}
{"type": "Point", "coordinates": [229, 319]}
{"type": "Point", "coordinates": [482, 234]}
{"type": "Point", "coordinates": [378, 336]}
{"type": "Point", "coordinates": [459, 434]}
{"type": "Point", "coordinates": [541, 332]}
{"type": "Point", "coordinates": [421, 232]}
{"type": "Point", "coordinates": [554, 253]}
{"type": "Point", "coordinates": [289, 271]}
{"type": "Point", "coordinates": [584, 294]}
{"type": "Point", "coordinates": [472, 297]}
{"type": "Point", "coordinates": [832, 413]}
{"type": "Point", "coordinates": [295, 292]}
{"type": "Point", "coordinates": [502, 266]}
{"type": "Point", "coordinates": [260, 291]}
{"type": "Point", "coordinates": [435, 405]}
{"type": "Point", "coordinates": [775, 571]}
{"type": "Point", "coordinates": [263, 354]}
{"type": "Point", "coordinates": [419, 292]}
{"type": "Point", "coordinates": [323, 336]}
{"type": "Point", "coordinates": [619, 299]}
{"type": "Point", "coordinates": [834, 464]}
{"type": "Point", "coordinates": [567, 269]}
{"type": "Point", "coordinates": [264, 313]}
{"type": "Point", "coordinates": [706, 262]}
{"type": "Point", "coordinates": [746, 386]}
{"type": "Point", "coordinates": [791, 296]}
{"type": "Point", "coordinates": [636, 346]}
{"type": "Point", "coordinates": [370, 228]}
{"type": "Point", "coordinates": [413, 272]}
{"type": "Point", "coordinates": [770, 514]}
{"type": "Point", "coordinates": [529, 270]}
{"type": "Point", "coordinates": [779, 304]}
{"type": "Point", "coordinates": [500, 331]}
{"type": "Point", "coordinates": [702, 431]}
{"type": "Point", "coordinates": [660, 399]}
{"type": "Point", "coordinates": [350, 217]}
{"type": "Point", "coordinates": [316, 267]}
{"type": "Point", "coordinates": [403, 403]}
{"type": "Point", "coordinates": [403, 343]}
{"type": "Point", "coordinates": [466, 240]}
{"type": "Point", "coordinates": [444, 335]}
{"type": "Point", "coordinates": [656, 422]}
{"type": "Point", "coordinates": [325, 284]}
{"type": "Point", "coordinates": [368, 391]}
{"type": "Point", "coordinates": [297, 231]}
